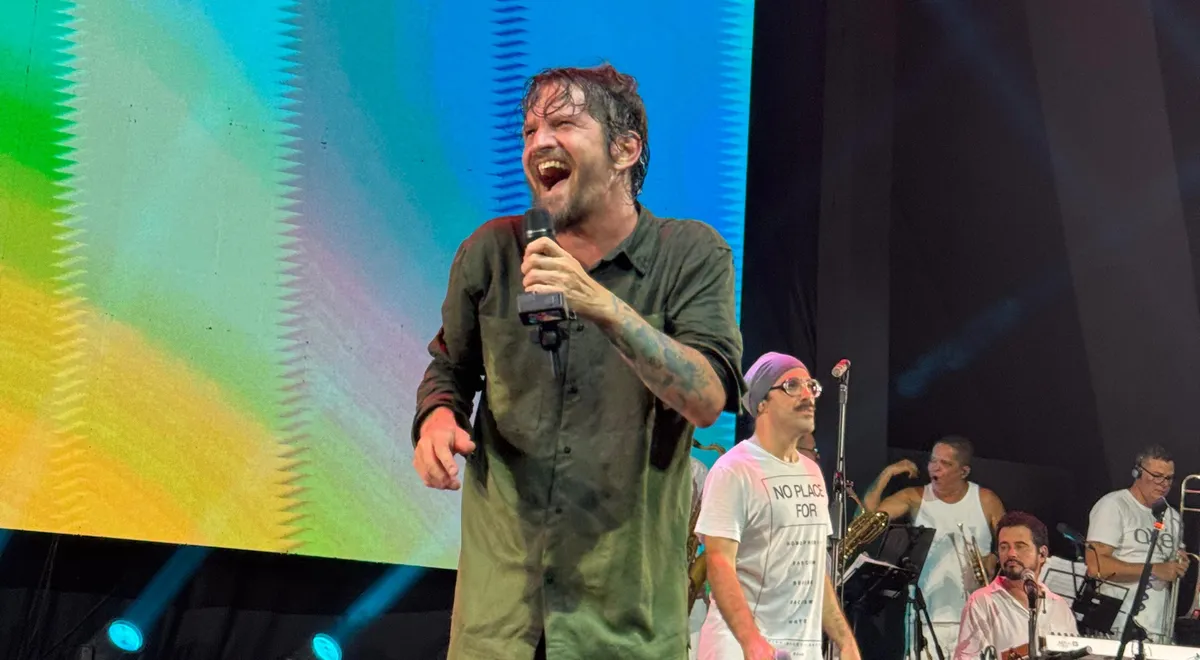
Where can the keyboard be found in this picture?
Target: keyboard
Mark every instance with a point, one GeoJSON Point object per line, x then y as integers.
{"type": "Point", "coordinates": [1107, 648]}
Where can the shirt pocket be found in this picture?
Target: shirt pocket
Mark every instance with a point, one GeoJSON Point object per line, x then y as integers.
{"type": "Point", "coordinates": [518, 381]}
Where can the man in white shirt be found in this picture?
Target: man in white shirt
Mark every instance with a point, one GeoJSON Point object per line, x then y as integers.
{"type": "Point", "coordinates": [764, 520]}
{"type": "Point", "coordinates": [1118, 536]}
{"type": "Point", "coordinates": [996, 617]}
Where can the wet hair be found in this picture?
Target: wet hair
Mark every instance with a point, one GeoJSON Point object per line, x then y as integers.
{"type": "Point", "coordinates": [609, 96]}
{"type": "Point", "coordinates": [1037, 529]}
{"type": "Point", "coordinates": [963, 449]}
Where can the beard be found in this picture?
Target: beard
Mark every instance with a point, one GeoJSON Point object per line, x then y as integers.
{"type": "Point", "coordinates": [572, 208]}
{"type": "Point", "coordinates": [1014, 570]}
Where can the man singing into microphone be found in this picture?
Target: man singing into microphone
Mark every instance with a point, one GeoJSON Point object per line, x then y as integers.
{"type": "Point", "coordinates": [1119, 528]}
{"type": "Point", "coordinates": [576, 490]}
{"type": "Point", "coordinates": [997, 616]}
{"type": "Point", "coordinates": [764, 520]}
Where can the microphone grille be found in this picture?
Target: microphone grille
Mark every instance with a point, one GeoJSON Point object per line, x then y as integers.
{"type": "Point", "coordinates": [537, 223]}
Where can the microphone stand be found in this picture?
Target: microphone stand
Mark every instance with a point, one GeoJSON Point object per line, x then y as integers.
{"type": "Point", "coordinates": [1132, 631]}
{"type": "Point", "coordinates": [922, 609]}
{"type": "Point", "coordinates": [1032, 596]}
{"type": "Point", "coordinates": [1079, 557]}
{"type": "Point", "coordinates": [840, 485]}
{"type": "Point", "coordinates": [840, 491]}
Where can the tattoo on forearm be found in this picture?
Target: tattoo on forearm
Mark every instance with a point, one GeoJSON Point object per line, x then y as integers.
{"type": "Point", "coordinates": [678, 375]}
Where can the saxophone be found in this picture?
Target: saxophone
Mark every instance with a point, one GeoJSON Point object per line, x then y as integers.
{"type": "Point", "coordinates": [972, 548]}
{"type": "Point", "coordinates": [865, 528]}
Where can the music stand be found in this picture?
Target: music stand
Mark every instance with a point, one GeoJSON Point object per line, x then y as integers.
{"type": "Point", "coordinates": [906, 544]}
{"type": "Point", "coordinates": [1097, 611]}
{"type": "Point", "coordinates": [870, 583]}
{"type": "Point", "coordinates": [873, 584]}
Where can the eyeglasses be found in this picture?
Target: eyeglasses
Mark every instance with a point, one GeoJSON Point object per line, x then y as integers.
{"type": "Point", "coordinates": [1158, 478]}
{"type": "Point", "coordinates": [793, 387]}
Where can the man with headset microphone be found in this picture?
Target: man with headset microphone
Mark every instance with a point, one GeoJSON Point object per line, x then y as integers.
{"type": "Point", "coordinates": [1118, 537]}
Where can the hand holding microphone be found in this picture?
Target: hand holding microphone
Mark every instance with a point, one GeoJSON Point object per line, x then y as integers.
{"type": "Point", "coordinates": [549, 271]}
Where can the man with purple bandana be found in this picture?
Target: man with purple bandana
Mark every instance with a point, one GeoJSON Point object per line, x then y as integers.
{"type": "Point", "coordinates": [764, 519]}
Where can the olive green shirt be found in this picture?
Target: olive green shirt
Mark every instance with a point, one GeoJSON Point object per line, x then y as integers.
{"type": "Point", "coordinates": [576, 500]}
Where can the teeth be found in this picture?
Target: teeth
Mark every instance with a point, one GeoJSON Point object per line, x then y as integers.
{"type": "Point", "coordinates": [544, 165]}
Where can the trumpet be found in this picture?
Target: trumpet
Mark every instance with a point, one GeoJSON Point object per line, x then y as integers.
{"type": "Point", "coordinates": [1190, 486]}
{"type": "Point", "coordinates": [976, 559]}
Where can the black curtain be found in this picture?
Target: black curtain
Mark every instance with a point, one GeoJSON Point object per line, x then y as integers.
{"type": "Point", "coordinates": [783, 182]}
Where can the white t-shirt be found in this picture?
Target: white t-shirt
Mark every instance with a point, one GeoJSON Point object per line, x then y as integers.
{"type": "Point", "coordinates": [993, 617]}
{"type": "Point", "coordinates": [1121, 521]}
{"type": "Point", "coordinates": [778, 512]}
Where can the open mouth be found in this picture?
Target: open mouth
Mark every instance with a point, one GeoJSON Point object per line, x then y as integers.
{"type": "Point", "coordinates": [550, 173]}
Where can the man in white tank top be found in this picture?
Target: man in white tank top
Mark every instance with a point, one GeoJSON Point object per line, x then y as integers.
{"type": "Point", "coordinates": [764, 520]}
{"type": "Point", "coordinates": [958, 511]}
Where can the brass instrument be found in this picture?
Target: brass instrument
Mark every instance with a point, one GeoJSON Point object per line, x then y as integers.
{"type": "Point", "coordinates": [972, 548]}
{"type": "Point", "coordinates": [1190, 486]}
{"type": "Point", "coordinates": [865, 528]}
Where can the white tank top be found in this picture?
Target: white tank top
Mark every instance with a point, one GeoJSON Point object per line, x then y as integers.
{"type": "Point", "coordinates": [948, 568]}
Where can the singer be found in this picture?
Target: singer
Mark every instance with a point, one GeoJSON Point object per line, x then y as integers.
{"type": "Point", "coordinates": [1119, 540]}
{"type": "Point", "coordinates": [576, 490]}
{"type": "Point", "coordinates": [764, 520]}
{"type": "Point", "coordinates": [997, 615]}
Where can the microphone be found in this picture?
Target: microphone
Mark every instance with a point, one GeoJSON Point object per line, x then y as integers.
{"type": "Point", "coordinates": [841, 368]}
{"type": "Point", "coordinates": [543, 312]}
{"type": "Point", "coordinates": [1159, 508]}
{"type": "Point", "coordinates": [1070, 534]}
{"type": "Point", "coordinates": [1031, 585]}
{"type": "Point", "coordinates": [537, 223]}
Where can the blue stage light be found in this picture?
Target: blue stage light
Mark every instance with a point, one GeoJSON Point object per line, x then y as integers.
{"type": "Point", "coordinates": [125, 636]}
{"type": "Point", "coordinates": [325, 647]}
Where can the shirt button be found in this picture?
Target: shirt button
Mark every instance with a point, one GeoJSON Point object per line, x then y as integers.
{"type": "Point", "coordinates": [571, 389]}
{"type": "Point", "coordinates": [558, 509]}
{"type": "Point", "coordinates": [549, 578]}
{"type": "Point", "coordinates": [566, 450]}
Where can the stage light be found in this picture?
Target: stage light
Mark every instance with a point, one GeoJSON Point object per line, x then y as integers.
{"type": "Point", "coordinates": [325, 647]}
{"type": "Point", "coordinates": [125, 636]}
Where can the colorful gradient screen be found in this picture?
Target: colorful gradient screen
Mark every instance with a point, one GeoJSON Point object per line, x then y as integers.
{"type": "Point", "coordinates": [226, 228]}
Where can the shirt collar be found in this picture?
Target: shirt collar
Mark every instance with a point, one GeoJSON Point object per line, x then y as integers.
{"type": "Point", "coordinates": [639, 248]}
